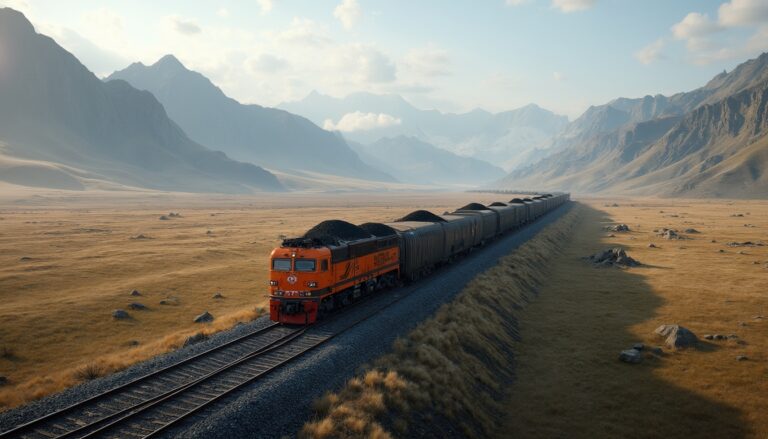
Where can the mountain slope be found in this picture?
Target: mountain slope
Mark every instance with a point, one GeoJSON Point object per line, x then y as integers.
{"type": "Point", "coordinates": [504, 138]}
{"type": "Point", "coordinates": [53, 109]}
{"type": "Point", "coordinates": [679, 145]}
{"type": "Point", "coordinates": [412, 160]}
{"type": "Point", "coordinates": [264, 136]}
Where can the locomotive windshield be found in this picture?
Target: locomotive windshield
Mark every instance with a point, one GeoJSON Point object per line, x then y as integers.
{"type": "Point", "coordinates": [305, 265]}
{"type": "Point", "coordinates": [281, 264]}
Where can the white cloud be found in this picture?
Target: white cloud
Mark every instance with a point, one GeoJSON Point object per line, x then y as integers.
{"type": "Point", "coordinates": [183, 26]}
{"type": "Point", "coordinates": [559, 76]}
{"type": "Point", "coordinates": [365, 63]}
{"type": "Point", "coordinates": [743, 13]}
{"type": "Point", "coordinates": [223, 13]}
{"type": "Point", "coordinates": [516, 2]}
{"type": "Point", "coordinates": [428, 61]}
{"type": "Point", "coordinates": [651, 52]}
{"type": "Point", "coordinates": [348, 12]}
{"type": "Point", "coordinates": [303, 32]}
{"type": "Point", "coordinates": [359, 121]}
{"type": "Point", "coordinates": [266, 63]}
{"type": "Point", "coordinates": [573, 5]}
{"type": "Point", "coordinates": [106, 18]}
{"type": "Point", "coordinates": [694, 25]}
{"type": "Point", "coordinates": [265, 6]}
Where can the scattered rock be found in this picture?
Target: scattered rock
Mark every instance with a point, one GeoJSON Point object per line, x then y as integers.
{"type": "Point", "coordinates": [217, 295]}
{"type": "Point", "coordinates": [741, 252]}
{"type": "Point", "coordinates": [3, 380]}
{"type": "Point", "coordinates": [193, 339]}
{"type": "Point", "coordinates": [714, 240]}
{"type": "Point", "coordinates": [677, 336]}
{"type": "Point", "coordinates": [135, 293]}
{"type": "Point", "coordinates": [638, 346]}
{"type": "Point", "coordinates": [691, 231]}
{"type": "Point", "coordinates": [133, 343]}
{"type": "Point", "coordinates": [737, 214]}
{"type": "Point", "coordinates": [618, 228]}
{"type": "Point", "coordinates": [163, 218]}
{"type": "Point", "coordinates": [613, 257]}
{"type": "Point", "coordinates": [709, 337]}
{"type": "Point", "coordinates": [137, 306]}
{"type": "Point", "coordinates": [721, 251]}
{"type": "Point", "coordinates": [25, 258]}
{"type": "Point", "coordinates": [210, 232]}
{"type": "Point", "coordinates": [741, 358]}
{"type": "Point", "coordinates": [668, 233]}
{"type": "Point", "coordinates": [120, 314]}
{"type": "Point", "coordinates": [174, 215]}
{"type": "Point", "coordinates": [755, 262]}
{"type": "Point", "coordinates": [745, 244]}
{"type": "Point", "coordinates": [631, 356]}
{"type": "Point", "coordinates": [611, 235]}
{"type": "Point", "coordinates": [758, 317]}
{"type": "Point", "coordinates": [743, 324]}
{"type": "Point", "coordinates": [614, 205]}
{"type": "Point", "coordinates": [657, 350]}
{"type": "Point", "coordinates": [142, 236]}
{"type": "Point", "coordinates": [169, 301]}
{"type": "Point", "coordinates": [749, 225]}
{"type": "Point", "coordinates": [652, 245]}
{"type": "Point", "coordinates": [205, 317]}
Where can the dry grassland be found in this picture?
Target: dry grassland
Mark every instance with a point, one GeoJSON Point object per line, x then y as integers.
{"type": "Point", "coordinates": [569, 382]}
{"type": "Point", "coordinates": [547, 365]}
{"type": "Point", "coordinates": [68, 259]}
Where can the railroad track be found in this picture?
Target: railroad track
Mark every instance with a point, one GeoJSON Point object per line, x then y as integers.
{"type": "Point", "coordinates": [152, 404]}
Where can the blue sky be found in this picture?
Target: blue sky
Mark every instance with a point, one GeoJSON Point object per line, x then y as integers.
{"type": "Point", "coordinates": [452, 55]}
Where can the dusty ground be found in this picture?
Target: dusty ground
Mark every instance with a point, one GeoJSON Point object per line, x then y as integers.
{"type": "Point", "coordinates": [569, 382]}
{"type": "Point", "coordinates": [68, 259]}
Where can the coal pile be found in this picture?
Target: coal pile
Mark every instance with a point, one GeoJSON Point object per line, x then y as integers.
{"type": "Point", "coordinates": [613, 257]}
{"type": "Point", "coordinates": [378, 229]}
{"type": "Point", "coordinates": [332, 232]}
{"type": "Point", "coordinates": [421, 215]}
{"type": "Point", "coordinates": [498, 204]}
{"type": "Point", "coordinates": [473, 206]}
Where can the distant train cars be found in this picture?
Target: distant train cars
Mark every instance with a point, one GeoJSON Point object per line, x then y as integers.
{"type": "Point", "coordinates": [336, 262]}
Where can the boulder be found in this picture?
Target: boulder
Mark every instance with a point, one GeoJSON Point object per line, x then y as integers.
{"type": "Point", "coordinates": [137, 306]}
{"type": "Point", "coordinates": [163, 218]}
{"type": "Point", "coordinates": [205, 317]}
{"type": "Point", "coordinates": [120, 314]}
{"type": "Point", "coordinates": [676, 336]}
{"type": "Point", "coordinates": [217, 295]}
{"type": "Point", "coordinates": [619, 228]}
{"type": "Point", "coordinates": [613, 257]}
{"type": "Point", "coordinates": [741, 358]}
{"type": "Point", "coordinates": [652, 245]}
{"type": "Point", "coordinates": [691, 231]}
{"type": "Point", "coordinates": [638, 346]}
{"type": "Point", "coordinates": [194, 339]}
{"type": "Point", "coordinates": [135, 293]}
{"type": "Point", "coordinates": [631, 356]}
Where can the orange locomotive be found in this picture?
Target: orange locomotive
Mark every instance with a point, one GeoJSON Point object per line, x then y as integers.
{"type": "Point", "coordinates": [322, 271]}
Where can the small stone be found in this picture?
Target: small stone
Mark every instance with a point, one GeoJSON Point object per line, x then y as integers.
{"type": "Point", "coordinates": [193, 339]}
{"type": "Point", "coordinates": [120, 314]}
{"type": "Point", "coordinates": [135, 293]}
{"type": "Point", "coordinates": [741, 252]}
{"type": "Point", "coordinates": [218, 295]}
{"type": "Point", "coordinates": [758, 317]}
{"type": "Point", "coordinates": [210, 232]}
{"type": "Point", "coordinates": [25, 258]}
{"type": "Point", "coordinates": [714, 240]}
{"type": "Point", "coordinates": [205, 317]}
{"type": "Point", "coordinates": [3, 380]}
{"type": "Point", "coordinates": [611, 235]}
{"type": "Point", "coordinates": [652, 245]}
{"type": "Point", "coordinates": [638, 346]}
{"type": "Point", "coordinates": [631, 356]}
{"type": "Point", "coordinates": [720, 337]}
{"type": "Point", "coordinates": [691, 231]}
{"type": "Point", "coordinates": [170, 301]}
{"type": "Point", "coordinates": [721, 251]}
{"type": "Point", "coordinates": [741, 358]}
{"type": "Point", "coordinates": [743, 324]}
{"type": "Point", "coordinates": [709, 337]}
{"type": "Point", "coordinates": [137, 306]}
{"type": "Point", "coordinates": [733, 336]}
{"type": "Point", "coordinates": [163, 218]}
{"type": "Point", "coordinates": [657, 350]}
{"type": "Point", "coordinates": [133, 343]}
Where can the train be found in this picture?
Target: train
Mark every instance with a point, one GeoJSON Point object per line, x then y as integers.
{"type": "Point", "coordinates": [335, 263]}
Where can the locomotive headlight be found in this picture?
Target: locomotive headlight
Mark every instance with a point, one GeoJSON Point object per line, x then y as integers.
{"type": "Point", "coordinates": [273, 283]}
{"type": "Point", "coordinates": [312, 284]}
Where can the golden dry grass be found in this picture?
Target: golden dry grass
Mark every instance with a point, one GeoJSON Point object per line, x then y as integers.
{"type": "Point", "coordinates": [569, 383]}
{"type": "Point", "coordinates": [67, 260]}
{"type": "Point", "coordinates": [454, 366]}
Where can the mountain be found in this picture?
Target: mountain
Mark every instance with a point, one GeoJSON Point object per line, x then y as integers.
{"type": "Point", "coordinates": [60, 120]}
{"type": "Point", "coordinates": [251, 133]}
{"type": "Point", "coordinates": [412, 160]}
{"type": "Point", "coordinates": [707, 142]}
{"type": "Point", "coordinates": [504, 138]}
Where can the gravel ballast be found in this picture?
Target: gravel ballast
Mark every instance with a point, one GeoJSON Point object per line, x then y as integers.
{"type": "Point", "coordinates": [280, 403]}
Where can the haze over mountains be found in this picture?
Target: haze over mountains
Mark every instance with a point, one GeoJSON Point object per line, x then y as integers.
{"type": "Point", "coordinates": [265, 136]}
{"type": "Point", "coordinates": [507, 138]}
{"type": "Point", "coordinates": [60, 126]}
{"type": "Point", "coordinates": [711, 141]}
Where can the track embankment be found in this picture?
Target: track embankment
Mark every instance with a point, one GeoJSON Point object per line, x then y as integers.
{"type": "Point", "coordinates": [450, 376]}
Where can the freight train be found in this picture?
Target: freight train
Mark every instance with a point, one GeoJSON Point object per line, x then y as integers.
{"type": "Point", "coordinates": [336, 262]}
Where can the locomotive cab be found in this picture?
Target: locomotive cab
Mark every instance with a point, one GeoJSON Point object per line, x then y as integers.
{"type": "Point", "coordinates": [298, 277]}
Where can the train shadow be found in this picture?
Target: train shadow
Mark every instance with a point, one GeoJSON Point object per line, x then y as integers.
{"type": "Point", "coordinates": [569, 381]}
